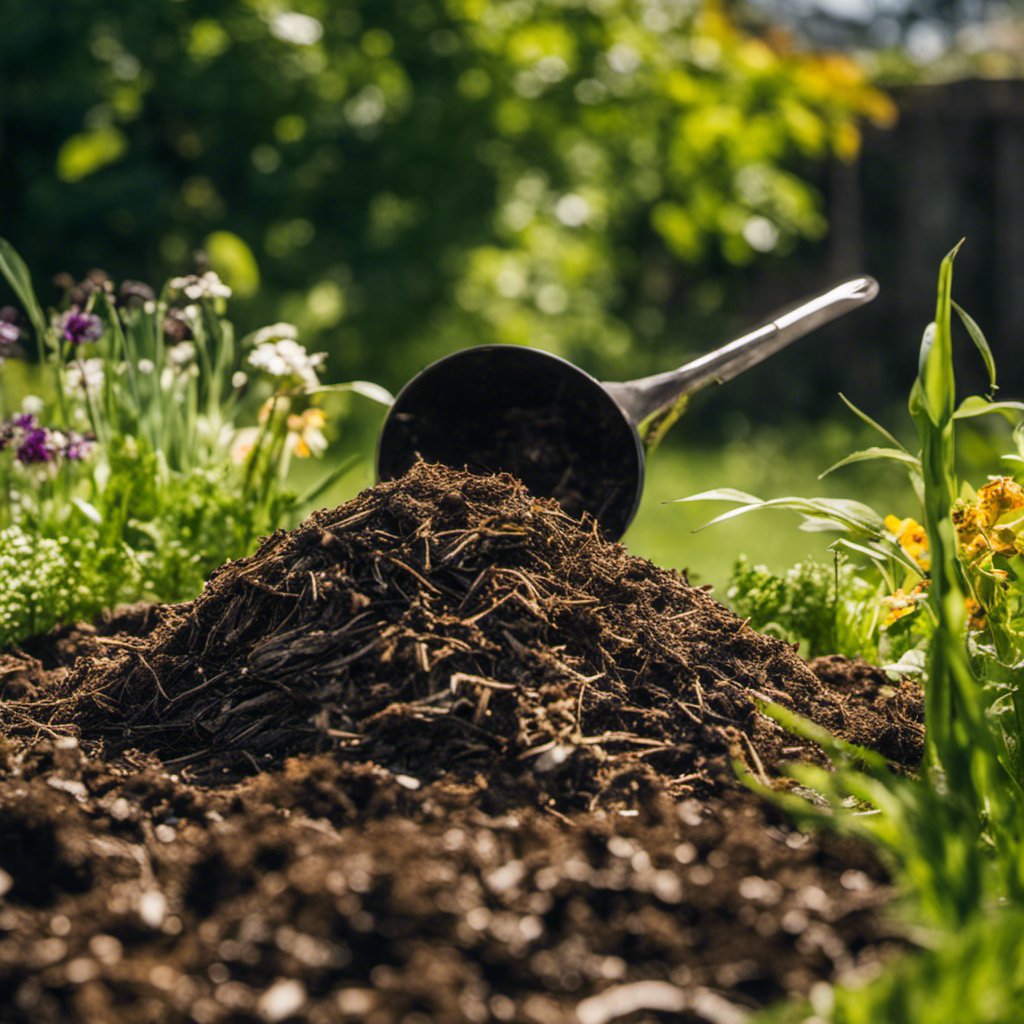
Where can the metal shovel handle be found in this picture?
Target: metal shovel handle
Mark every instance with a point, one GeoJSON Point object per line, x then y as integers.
{"type": "Point", "coordinates": [652, 399]}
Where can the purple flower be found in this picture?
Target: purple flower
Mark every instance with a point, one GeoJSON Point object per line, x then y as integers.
{"type": "Point", "coordinates": [78, 447]}
{"type": "Point", "coordinates": [10, 332]}
{"type": "Point", "coordinates": [78, 327]}
{"type": "Point", "coordinates": [35, 446]}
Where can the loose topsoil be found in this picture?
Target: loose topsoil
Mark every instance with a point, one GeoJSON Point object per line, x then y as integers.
{"type": "Point", "coordinates": [439, 754]}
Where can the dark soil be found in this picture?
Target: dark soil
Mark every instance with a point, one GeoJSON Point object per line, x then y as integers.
{"type": "Point", "coordinates": [440, 754]}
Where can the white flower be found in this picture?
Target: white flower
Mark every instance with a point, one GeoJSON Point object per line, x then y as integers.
{"type": "Point", "coordinates": [146, 366]}
{"type": "Point", "coordinates": [86, 375]}
{"type": "Point", "coordinates": [181, 354]}
{"type": "Point", "coordinates": [305, 437]}
{"type": "Point", "coordinates": [243, 443]}
{"type": "Point", "coordinates": [275, 332]}
{"type": "Point", "coordinates": [239, 379]}
{"type": "Point", "coordinates": [31, 405]}
{"type": "Point", "coordinates": [209, 286]}
{"type": "Point", "coordinates": [288, 359]}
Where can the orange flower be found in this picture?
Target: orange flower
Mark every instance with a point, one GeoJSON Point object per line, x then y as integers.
{"type": "Point", "coordinates": [998, 496]}
{"type": "Point", "coordinates": [305, 433]}
{"type": "Point", "coordinates": [903, 603]}
{"type": "Point", "coordinates": [911, 536]}
{"type": "Point", "coordinates": [975, 521]}
{"type": "Point", "coordinates": [975, 615]}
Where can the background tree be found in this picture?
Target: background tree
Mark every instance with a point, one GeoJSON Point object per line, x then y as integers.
{"type": "Point", "coordinates": [402, 177]}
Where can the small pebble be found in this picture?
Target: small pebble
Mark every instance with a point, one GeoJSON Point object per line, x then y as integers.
{"type": "Point", "coordinates": [152, 908]}
{"type": "Point", "coordinates": [284, 998]}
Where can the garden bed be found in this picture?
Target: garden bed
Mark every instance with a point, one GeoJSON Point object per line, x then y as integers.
{"type": "Point", "coordinates": [440, 754]}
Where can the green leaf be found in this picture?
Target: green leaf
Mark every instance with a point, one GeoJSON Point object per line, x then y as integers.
{"type": "Point", "coordinates": [13, 267]}
{"type": "Point", "coordinates": [975, 405]}
{"type": "Point", "coordinates": [849, 515]}
{"type": "Point", "coordinates": [913, 662]}
{"type": "Point", "coordinates": [880, 552]}
{"type": "Point", "coordinates": [867, 454]}
{"type": "Point", "coordinates": [839, 750]}
{"type": "Point", "coordinates": [935, 372]}
{"type": "Point", "coordinates": [89, 511]}
{"type": "Point", "coordinates": [979, 340]}
{"type": "Point", "coordinates": [85, 153]}
{"type": "Point", "coordinates": [366, 388]}
{"type": "Point", "coordinates": [870, 422]}
{"type": "Point", "coordinates": [819, 524]}
{"type": "Point", "coordinates": [720, 494]}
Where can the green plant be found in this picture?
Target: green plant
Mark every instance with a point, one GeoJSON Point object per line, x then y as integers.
{"type": "Point", "coordinates": [827, 609]}
{"type": "Point", "coordinates": [136, 474]}
{"type": "Point", "coordinates": [954, 834]}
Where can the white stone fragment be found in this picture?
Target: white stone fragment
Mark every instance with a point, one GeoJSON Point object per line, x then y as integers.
{"type": "Point", "coordinates": [623, 1000]}
{"type": "Point", "coordinates": [152, 908]}
{"type": "Point", "coordinates": [283, 999]}
{"type": "Point", "coordinates": [504, 878]}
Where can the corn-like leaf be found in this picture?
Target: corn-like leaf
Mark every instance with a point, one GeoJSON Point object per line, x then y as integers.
{"type": "Point", "coordinates": [13, 267]}
{"type": "Point", "coordinates": [849, 515]}
{"type": "Point", "coordinates": [935, 373]}
{"type": "Point", "coordinates": [819, 524]}
{"type": "Point", "coordinates": [870, 422]}
{"type": "Point", "coordinates": [720, 494]}
{"type": "Point", "coordinates": [867, 454]}
{"type": "Point", "coordinates": [839, 750]}
{"type": "Point", "coordinates": [880, 551]}
{"type": "Point", "coordinates": [975, 405]}
{"type": "Point", "coordinates": [982, 345]}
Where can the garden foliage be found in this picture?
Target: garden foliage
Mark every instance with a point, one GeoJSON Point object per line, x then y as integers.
{"type": "Point", "coordinates": [155, 448]}
{"type": "Point", "coordinates": [955, 834]}
{"type": "Point", "coordinates": [401, 176]}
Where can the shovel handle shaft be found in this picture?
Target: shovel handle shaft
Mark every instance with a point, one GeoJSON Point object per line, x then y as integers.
{"type": "Point", "coordinates": [648, 397]}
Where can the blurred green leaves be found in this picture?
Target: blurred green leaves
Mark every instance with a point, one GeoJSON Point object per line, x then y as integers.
{"type": "Point", "coordinates": [437, 172]}
{"type": "Point", "coordinates": [86, 152]}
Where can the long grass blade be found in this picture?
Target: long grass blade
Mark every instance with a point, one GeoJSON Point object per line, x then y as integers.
{"type": "Point", "coordinates": [14, 269]}
{"type": "Point", "coordinates": [868, 454]}
{"type": "Point", "coordinates": [870, 422]}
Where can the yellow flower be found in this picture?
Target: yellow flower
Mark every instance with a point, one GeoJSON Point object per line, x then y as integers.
{"type": "Point", "coordinates": [1001, 495]}
{"type": "Point", "coordinates": [975, 615]}
{"type": "Point", "coordinates": [305, 433]}
{"type": "Point", "coordinates": [976, 521]}
{"type": "Point", "coordinates": [903, 603]}
{"type": "Point", "coordinates": [912, 538]}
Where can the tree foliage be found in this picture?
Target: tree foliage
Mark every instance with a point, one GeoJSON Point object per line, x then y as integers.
{"type": "Point", "coordinates": [401, 177]}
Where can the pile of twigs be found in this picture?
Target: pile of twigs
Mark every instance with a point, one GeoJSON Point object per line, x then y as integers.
{"type": "Point", "coordinates": [448, 621]}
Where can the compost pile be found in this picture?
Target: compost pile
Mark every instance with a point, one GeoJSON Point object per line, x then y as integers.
{"type": "Point", "coordinates": [439, 754]}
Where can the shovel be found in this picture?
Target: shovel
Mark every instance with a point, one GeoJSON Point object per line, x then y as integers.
{"type": "Point", "coordinates": [565, 434]}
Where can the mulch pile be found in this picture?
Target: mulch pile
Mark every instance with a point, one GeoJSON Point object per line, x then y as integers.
{"type": "Point", "coordinates": [441, 754]}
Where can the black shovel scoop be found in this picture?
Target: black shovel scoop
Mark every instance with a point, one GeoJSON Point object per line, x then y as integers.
{"type": "Point", "coordinates": [564, 434]}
